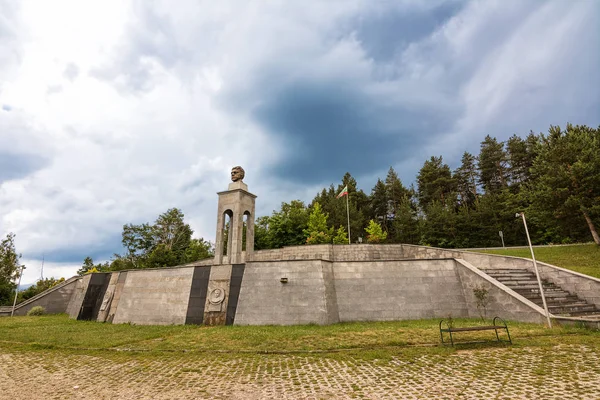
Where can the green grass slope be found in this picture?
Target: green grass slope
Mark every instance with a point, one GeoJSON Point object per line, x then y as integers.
{"type": "Point", "coordinates": [582, 258]}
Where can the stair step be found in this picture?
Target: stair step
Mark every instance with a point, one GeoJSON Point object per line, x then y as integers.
{"type": "Point", "coordinates": [553, 302]}
{"type": "Point", "coordinates": [571, 308]}
{"type": "Point", "coordinates": [559, 301]}
{"type": "Point", "coordinates": [533, 287]}
{"type": "Point", "coordinates": [523, 283]}
{"type": "Point", "coordinates": [585, 314]}
{"type": "Point", "coordinates": [515, 278]}
{"type": "Point", "coordinates": [507, 272]}
{"type": "Point", "coordinates": [549, 295]}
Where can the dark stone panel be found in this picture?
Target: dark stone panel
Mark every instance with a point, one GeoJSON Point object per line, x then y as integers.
{"type": "Point", "coordinates": [195, 311]}
{"type": "Point", "coordinates": [100, 298]}
{"type": "Point", "coordinates": [93, 296]}
{"type": "Point", "coordinates": [237, 274]}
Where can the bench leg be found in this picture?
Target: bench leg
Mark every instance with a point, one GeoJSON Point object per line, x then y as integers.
{"type": "Point", "coordinates": [451, 340]}
{"type": "Point", "coordinates": [497, 337]}
{"type": "Point", "coordinates": [509, 339]}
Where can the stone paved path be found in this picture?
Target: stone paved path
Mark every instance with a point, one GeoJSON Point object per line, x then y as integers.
{"type": "Point", "coordinates": [564, 372]}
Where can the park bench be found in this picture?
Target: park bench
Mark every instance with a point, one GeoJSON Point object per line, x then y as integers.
{"type": "Point", "coordinates": [494, 327]}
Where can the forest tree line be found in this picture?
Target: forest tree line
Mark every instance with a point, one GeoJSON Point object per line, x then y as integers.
{"type": "Point", "coordinates": [554, 178]}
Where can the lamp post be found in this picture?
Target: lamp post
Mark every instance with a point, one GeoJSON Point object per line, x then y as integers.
{"type": "Point", "coordinates": [17, 291]}
{"type": "Point", "coordinates": [537, 274]}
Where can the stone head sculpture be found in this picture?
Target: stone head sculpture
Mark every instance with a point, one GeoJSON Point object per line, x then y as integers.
{"type": "Point", "coordinates": [237, 173]}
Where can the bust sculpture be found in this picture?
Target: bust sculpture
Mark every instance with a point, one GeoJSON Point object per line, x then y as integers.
{"type": "Point", "coordinates": [237, 173]}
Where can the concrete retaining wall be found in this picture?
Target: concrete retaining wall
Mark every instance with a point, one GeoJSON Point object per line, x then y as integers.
{"type": "Point", "coordinates": [306, 298]}
{"type": "Point", "coordinates": [324, 292]}
{"type": "Point", "coordinates": [391, 290]}
{"type": "Point", "coordinates": [155, 296]}
{"type": "Point", "coordinates": [54, 300]}
{"type": "Point", "coordinates": [325, 284]}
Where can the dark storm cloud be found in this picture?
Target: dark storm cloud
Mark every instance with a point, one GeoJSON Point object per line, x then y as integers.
{"type": "Point", "coordinates": [328, 129]}
{"type": "Point", "coordinates": [385, 33]}
{"type": "Point", "coordinates": [15, 166]}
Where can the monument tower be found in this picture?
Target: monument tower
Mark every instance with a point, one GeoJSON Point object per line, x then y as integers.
{"type": "Point", "coordinates": [237, 203]}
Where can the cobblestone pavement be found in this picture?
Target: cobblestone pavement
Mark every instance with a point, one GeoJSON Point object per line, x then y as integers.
{"type": "Point", "coordinates": [562, 372]}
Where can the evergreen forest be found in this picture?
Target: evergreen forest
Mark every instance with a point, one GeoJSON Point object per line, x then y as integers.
{"type": "Point", "coordinates": [553, 178]}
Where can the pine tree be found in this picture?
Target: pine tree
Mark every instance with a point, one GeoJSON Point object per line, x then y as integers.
{"type": "Point", "coordinates": [492, 165]}
{"type": "Point", "coordinates": [568, 176]}
{"type": "Point", "coordinates": [435, 183]}
{"type": "Point", "coordinates": [341, 236]}
{"type": "Point", "coordinates": [465, 177]}
{"type": "Point", "coordinates": [374, 233]}
{"type": "Point", "coordinates": [379, 202]}
{"type": "Point", "coordinates": [406, 223]}
{"type": "Point", "coordinates": [317, 231]}
{"type": "Point", "coordinates": [521, 154]}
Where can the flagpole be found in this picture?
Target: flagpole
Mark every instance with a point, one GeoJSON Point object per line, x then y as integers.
{"type": "Point", "coordinates": [348, 214]}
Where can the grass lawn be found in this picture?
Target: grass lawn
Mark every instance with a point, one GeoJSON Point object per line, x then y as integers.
{"type": "Point", "coordinates": [56, 357]}
{"type": "Point", "coordinates": [421, 336]}
{"type": "Point", "coordinates": [583, 258]}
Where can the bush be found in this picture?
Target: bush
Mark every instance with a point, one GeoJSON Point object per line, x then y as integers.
{"type": "Point", "coordinates": [37, 310]}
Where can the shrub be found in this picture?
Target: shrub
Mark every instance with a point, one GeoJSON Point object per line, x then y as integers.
{"type": "Point", "coordinates": [37, 310]}
{"type": "Point", "coordinates": [482, 296]}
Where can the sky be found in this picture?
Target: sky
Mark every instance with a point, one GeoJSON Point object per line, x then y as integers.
{"type": "Point", "coordinates": [112, 112]}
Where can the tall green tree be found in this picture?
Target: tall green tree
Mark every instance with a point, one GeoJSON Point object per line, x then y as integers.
{"type": "Point", "coordinates": [438, 227]}
{"type": "Point", "coordinates": [335, 208]}
{"type": "Point", "coordinates": [341, 236]}
{"type": "Point", "coordinates": [199, 249]}
{"type": "Point", "coordinates": [465, 177]}
{"type": "Point", "coordinates": [9, 268]}
{"type": "Point", "coordinates": [568, 175]}
{"type": "Point", "coordinates": [165, 243]}
{"type": "Point", "coordinates": [88, 265]}
{"type": "Point", "coordinates": [283, 228]}
{"type": "Point", "coordinates": [374, 233]}
{"type": "Point", "coordinates": [435, 183]}
{"type": "Point", "coordinates": [406, 222]}
{"type": "Point", "coordinates": [379, 202]}
{"type": "Point", "coordinates": [492, 163]}
{"type": "Point", "coordinates": [317, 231]}
{"type": "Point", "coordinates": [521, 155]}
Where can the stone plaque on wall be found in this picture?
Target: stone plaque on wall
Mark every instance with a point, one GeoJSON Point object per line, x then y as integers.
{"type": "Point", "coordinates": [215, 299]}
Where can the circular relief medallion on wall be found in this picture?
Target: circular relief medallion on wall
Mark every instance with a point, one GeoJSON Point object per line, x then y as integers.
{"type": "Point", "coordinates": [216, 296]}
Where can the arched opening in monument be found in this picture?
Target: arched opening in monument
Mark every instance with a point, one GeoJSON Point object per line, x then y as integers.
{"type": "Point", "coordinates": [245, 229]}
{"type": "Point", "coordinates": [227, 221]}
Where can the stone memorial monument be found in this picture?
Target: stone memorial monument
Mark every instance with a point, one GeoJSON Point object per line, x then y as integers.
{"type": "Point", "coordinates": [232, 248]}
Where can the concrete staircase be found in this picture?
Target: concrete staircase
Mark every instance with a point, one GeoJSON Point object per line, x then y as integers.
{"type": "Point", "coordinates": [560, 302]}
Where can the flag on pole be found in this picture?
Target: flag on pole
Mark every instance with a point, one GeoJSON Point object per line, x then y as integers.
{"type": "Point", "coordinates": [344, 192]}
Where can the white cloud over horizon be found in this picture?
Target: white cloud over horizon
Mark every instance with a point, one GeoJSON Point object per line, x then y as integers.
{"type": "Point", "coordinates": [112, 112]}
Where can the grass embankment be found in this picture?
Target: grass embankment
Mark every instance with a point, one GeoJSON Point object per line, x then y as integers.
{"type": "Point", "coordinates": [60, 332]}
{"type": "Point", "coordinates": [582, 258]}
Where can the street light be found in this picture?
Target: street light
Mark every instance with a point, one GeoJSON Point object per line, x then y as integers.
{"type": "Point", "coordinates": [537, 274]}
{"type": "Point", "coordinates": [17, 291]}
